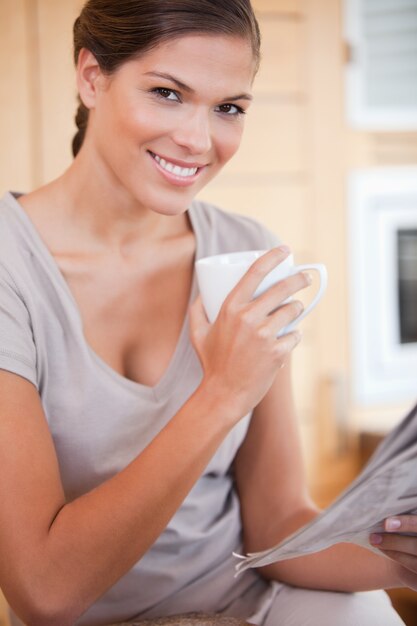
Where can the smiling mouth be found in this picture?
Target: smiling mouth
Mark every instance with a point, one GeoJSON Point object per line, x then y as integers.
{"type": "Point", "coordinates": [174, 169]}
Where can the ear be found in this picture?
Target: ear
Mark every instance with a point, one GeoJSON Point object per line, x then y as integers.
{"type": "Point", "coordinates": [89, 78]}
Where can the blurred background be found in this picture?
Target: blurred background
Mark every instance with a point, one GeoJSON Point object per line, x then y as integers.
{"type": "Point", "coordinates": [328, 162]}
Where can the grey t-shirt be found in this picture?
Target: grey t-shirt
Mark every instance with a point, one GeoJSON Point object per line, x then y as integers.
{"type": "Point", "coordinates": [100, 421]}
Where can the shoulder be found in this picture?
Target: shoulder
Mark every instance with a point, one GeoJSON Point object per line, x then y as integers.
{"type": "Point", "coordinates": [11, 295]}
{"type": "Point", "coordinates": [229, 231]}
{"type": "Point", "coordinates": [16, 266]}
{"type": "Point", "coordinates": [8, 231]}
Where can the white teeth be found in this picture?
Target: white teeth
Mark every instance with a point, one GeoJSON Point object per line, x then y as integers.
{"type": "Point", "coordinates": [185, 172]}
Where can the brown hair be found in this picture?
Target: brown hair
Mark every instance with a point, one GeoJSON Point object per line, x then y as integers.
{"type": "Point", "coordinates": [115, 31]}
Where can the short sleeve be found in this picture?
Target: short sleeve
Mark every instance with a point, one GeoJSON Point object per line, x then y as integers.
{"type": "Point", "coordinates": [17, 346]}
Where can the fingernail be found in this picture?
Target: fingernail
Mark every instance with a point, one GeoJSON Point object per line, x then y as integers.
{"type": "Point", "coordinates": [309, 278]}
{"type": "Point", "coordinates": [284, 248]}
{"type": "Point", "coordinates": [375, 539]}
{"type": "Point", "coordinates": [392, 523]}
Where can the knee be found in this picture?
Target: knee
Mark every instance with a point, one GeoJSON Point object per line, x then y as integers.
{"type": "Point", "coordinates": [371, 608]}
{"type": "Point", "coordinates": [306, 607]}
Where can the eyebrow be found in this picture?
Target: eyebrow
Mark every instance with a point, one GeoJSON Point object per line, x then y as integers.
{"type": "Point", "coordinates": [184, 87]}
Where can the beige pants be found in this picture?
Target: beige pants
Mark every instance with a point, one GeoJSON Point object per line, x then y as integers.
{"type": "Point", "coordinates": [293, 606]}
{"type": "Point", "coordinates": [305, 607]}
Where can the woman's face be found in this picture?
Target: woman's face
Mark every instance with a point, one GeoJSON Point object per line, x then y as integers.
{"type": "Point", "coordinates": [166, 123]}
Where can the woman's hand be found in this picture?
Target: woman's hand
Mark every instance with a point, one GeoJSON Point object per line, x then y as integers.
{"type": "Point", "coordinates": [402, 550]}
{"type": "Point", "coordinates": [240, 353]}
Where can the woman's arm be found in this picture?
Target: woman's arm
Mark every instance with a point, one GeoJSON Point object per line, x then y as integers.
{"type": "Point", "coordinates": [57, 558]}
{"type": "Point", "coordinates": [275, 503]}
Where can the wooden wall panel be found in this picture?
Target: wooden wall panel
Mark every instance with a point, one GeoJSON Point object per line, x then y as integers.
{"type": "Point", "coordinates": [15, 96]}
{"type": "Point", "coordinates": [386, 149]}
{"type": "Point", "coordinates": [283, 49]}
{"type": "Point", "coordinates": [57, 83]}
{"type": "Point", "coordinates": [279, 6]}
{"type": "Point", "coordinates": [328, 169]}
{"type": "Point", "coordinates": [4, 621]}
{"type": "Point", "coordinates": [282, 208]}
{"type": "Point", "coordinates": [273, 142]}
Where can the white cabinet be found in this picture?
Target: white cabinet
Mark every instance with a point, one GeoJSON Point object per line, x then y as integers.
{"type": "Point", "coordinates": [381, 74]}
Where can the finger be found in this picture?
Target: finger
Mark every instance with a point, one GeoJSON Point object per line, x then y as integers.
{"type": "Point", "coordinates": [244, 290]}
{"type": "Point", "coordinates": [280, 292]}
{"type": "Point", "coordinates": [397, 543]}
{"type": "Point", "coordinates": [286, 344]}
{"type": "Point", "coordinates": [403, 523]}
{"type": "Point", "coordinates": [283, 316]}
{"type": "Point", "coordinates": [407, 560]}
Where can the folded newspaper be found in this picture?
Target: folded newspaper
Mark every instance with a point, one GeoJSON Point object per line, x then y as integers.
{"type": "Point", "coordinates": [386, 486]}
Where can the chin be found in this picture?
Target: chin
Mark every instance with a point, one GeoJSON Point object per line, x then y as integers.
{"type": "Point", "coordinates": [169, 209]}
{"type": "Point", "coordinates": [171, 206]}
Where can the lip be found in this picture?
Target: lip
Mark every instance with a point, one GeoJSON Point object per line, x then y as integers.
{"type": "Point", "coordinates": [177, 161]}
{"type": "Point", "coordinates": [179, 181]}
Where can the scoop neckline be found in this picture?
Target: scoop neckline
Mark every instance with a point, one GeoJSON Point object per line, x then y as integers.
{"type": "Point", "coordinates": [183, 348]}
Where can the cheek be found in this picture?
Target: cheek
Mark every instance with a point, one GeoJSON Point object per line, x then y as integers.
{"type": "Point", "coordinates": [138, 120]}
{"type": "Point", "coordinates": [229, 141]}
{"type": "Point", "coordinates": [151, 126]}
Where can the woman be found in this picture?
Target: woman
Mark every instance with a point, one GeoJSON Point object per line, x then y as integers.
{"type": "Point", "coordinates": [122, 416]}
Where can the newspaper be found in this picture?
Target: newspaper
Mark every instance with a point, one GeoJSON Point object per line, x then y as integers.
{"type": "Point", "coordinates": [386, 486]}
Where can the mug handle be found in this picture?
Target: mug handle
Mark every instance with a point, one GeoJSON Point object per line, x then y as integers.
{"type": "Point", "coordinates": [321, 269]}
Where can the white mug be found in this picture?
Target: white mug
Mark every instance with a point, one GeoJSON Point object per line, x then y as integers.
{"type": "Point", "coordinates": [218, 275]}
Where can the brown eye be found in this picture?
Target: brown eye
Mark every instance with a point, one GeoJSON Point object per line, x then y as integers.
{"type": "Point", "coordinates": [166, 94]}
{"type": "Point", "coordinates": [230, 109]}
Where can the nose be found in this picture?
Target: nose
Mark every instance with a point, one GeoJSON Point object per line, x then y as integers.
{"type": "Point", "coordinates": [194, 133]}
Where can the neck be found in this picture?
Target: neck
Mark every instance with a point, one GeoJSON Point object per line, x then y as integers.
{"type": "Point", "coordinates": [103, 214]}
